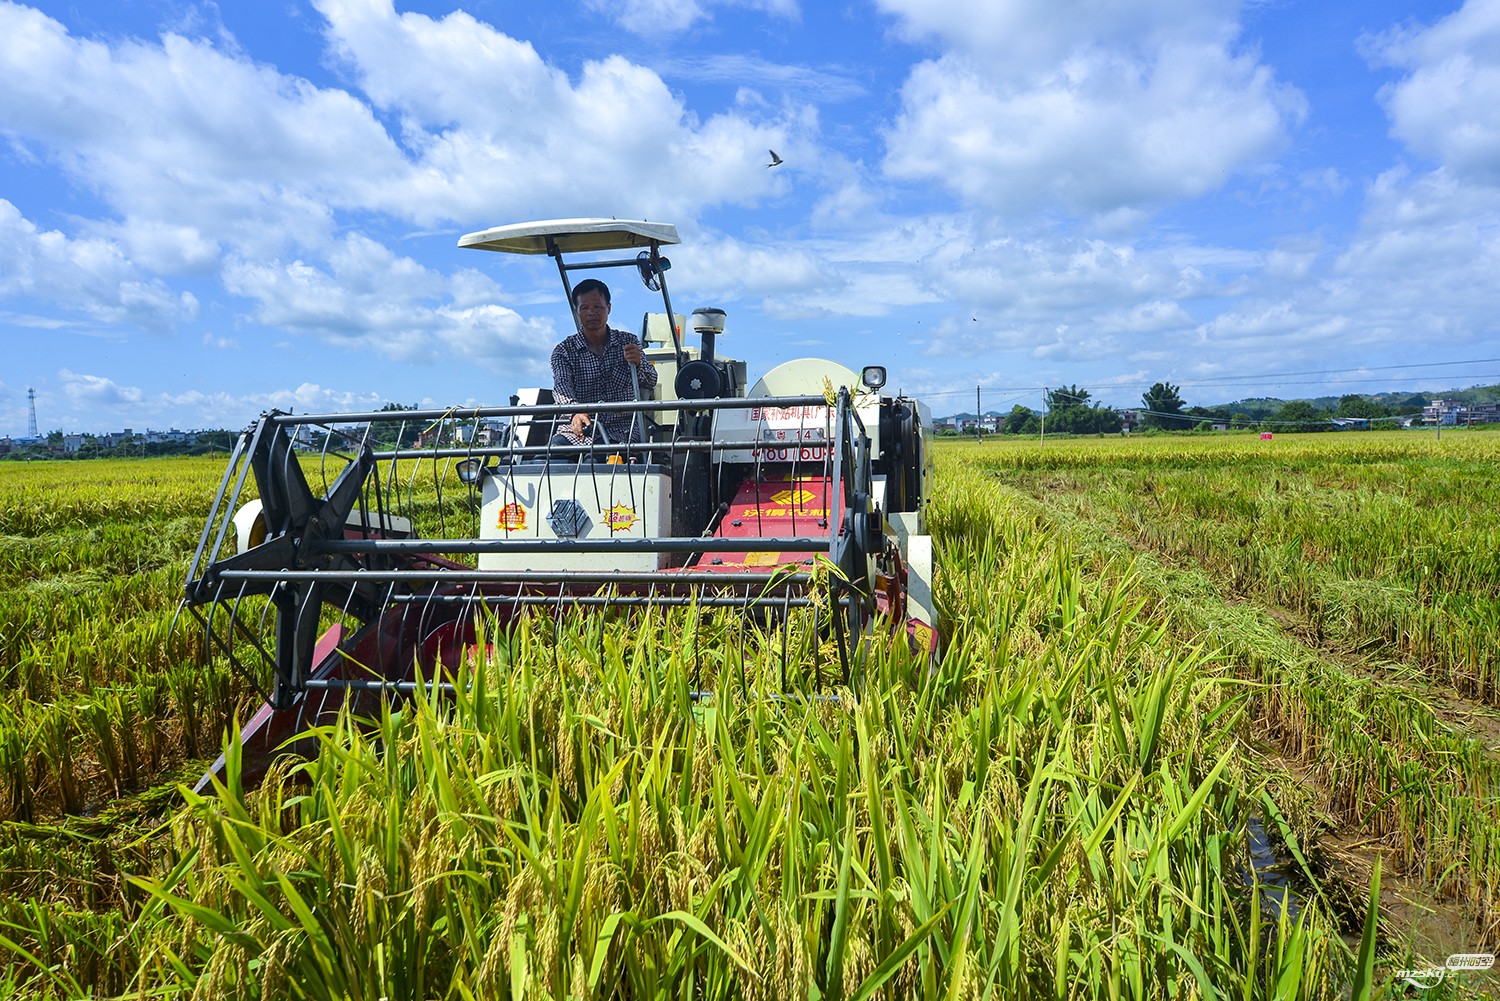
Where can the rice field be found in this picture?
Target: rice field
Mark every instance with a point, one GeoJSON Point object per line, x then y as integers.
{"type": "Point", "coordinates": [1217, 717]}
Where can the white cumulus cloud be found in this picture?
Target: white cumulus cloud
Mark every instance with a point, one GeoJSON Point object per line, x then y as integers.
{"type": "Point", "coordinates": [664, 17]}
{"type": "Point", "coordinates": [97, 391]}
{"type": "Point", "coordinates": [495, 131]}
{"type": "Point", "coordinates": [1098, 108]}
{"type": "Point", "coordinates": [89, 278]}
{"type": "Point", "coordinates": [368, 298]}
{"type": "Point", "coordinates": [189, 142]}
{"type": "Point", "coordinates": [1447, 106]}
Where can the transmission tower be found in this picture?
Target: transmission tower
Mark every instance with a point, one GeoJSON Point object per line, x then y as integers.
{"type": "Point", "coordinates": [31, 431]}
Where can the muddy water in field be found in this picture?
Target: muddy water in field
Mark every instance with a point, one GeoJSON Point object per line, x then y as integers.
{"type": "Point", "coordinates": [1273, 872]}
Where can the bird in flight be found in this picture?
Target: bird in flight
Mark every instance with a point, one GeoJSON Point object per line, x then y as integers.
{"type": "Point", "coordinates": [775, 160]}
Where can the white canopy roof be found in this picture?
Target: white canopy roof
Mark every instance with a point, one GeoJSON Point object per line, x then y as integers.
{"type": "Point", "coordinates": [572, 236]}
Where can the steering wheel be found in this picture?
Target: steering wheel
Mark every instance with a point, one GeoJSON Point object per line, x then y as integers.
{"type": "Point", "coordinates": [598, 433]}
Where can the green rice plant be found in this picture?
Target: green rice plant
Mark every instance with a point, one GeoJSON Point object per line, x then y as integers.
{"type": "Point", "coordinates": [574, 822]}
{"type": "Point", "coordinates": [1390, 767]}
{"type": "Point", "coordinates": [16, 767]}
{"type": "Point", "coordinates": [56, 734]}
{"type": "Point", "coordinates": [70, 949]}
{"type": "Point", "coordinates": [1058, 809]}
{"type": "Point", "coordinates": [1362, 546]}
{"type": "Point", "coordinates": [98, 722]}
{"type": "Point", "coordinates": [42, 497]}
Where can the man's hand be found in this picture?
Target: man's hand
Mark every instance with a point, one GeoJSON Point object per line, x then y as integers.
{"type": "Point", "coordinates": [581, 424]}
{"type": "Point", "coordinates": [632, 353]}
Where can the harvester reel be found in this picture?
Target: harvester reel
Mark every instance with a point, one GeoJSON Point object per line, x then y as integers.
{"type": "Point", "coordinates": [296, 521]}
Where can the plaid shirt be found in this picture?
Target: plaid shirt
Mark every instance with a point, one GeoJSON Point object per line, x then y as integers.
{"type": "Point", "coordinates": [580, 376]}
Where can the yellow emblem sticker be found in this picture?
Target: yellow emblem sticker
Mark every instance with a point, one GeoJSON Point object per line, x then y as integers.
{"type": "Point", "coordinates": [619, 518]}
{"type": "Point", "coordinates": [512, 518]}
{"type": "Point", "coordinates": [790, 497]}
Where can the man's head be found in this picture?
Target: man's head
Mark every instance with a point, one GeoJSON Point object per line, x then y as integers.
{"type": "Point", "coordinates": [590, 285]}
{"type": "Point", "coordinates": [591, 304]}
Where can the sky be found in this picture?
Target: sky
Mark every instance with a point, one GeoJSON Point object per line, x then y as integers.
{"type": "Point", "coordinates": [210, 210]}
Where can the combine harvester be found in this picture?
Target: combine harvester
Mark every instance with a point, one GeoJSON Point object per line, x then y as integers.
{"type": "Point", "coordinates": [803, 494]}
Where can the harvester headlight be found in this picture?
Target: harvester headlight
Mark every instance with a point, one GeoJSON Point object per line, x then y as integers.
{"type": "Point", "coordinates": [873, 376]}
{"type": "Point", "coordinates": [470, 470]}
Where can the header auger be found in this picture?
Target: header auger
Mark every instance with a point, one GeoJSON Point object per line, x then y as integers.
{"type": "Point", "coordinates": [802, 495]}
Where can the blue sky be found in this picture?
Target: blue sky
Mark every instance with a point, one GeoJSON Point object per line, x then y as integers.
{"type": "Point", "coordinates": [208, 210]}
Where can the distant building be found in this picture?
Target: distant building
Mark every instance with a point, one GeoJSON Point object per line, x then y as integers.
{"type": "Point", "coordinates": [1452, 412]}
{"type": "Point", "coordinates": [305, 437]}
{"type": "Point", "coordinates": [172, 437]}
{"type": "Point", "coordinates": [77, 441]}
{"type": "Point", "coordinates": [485, 435]}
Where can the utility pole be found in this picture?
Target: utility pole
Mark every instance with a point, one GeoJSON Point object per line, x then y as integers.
{"type": "Point", "coordinates": [1043, 440]}
{"type": "Point", "coordinates": [978, 417]}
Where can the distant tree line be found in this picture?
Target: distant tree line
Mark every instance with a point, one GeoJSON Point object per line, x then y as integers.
{"type": "Point", "coordinates": [134, 447]}
{"type": "Point", "coordinates": [381, 435]}
{"type": "Point", "coordinates": [1072, 410]}
{"type": "Point", "coordinates": [1164, 408]}
{"type": "Point", "coordinates": [396, 434]}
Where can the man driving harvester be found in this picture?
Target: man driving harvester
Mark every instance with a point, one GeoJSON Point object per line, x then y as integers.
{"type": "Point", "coordinates": [598, 364]}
